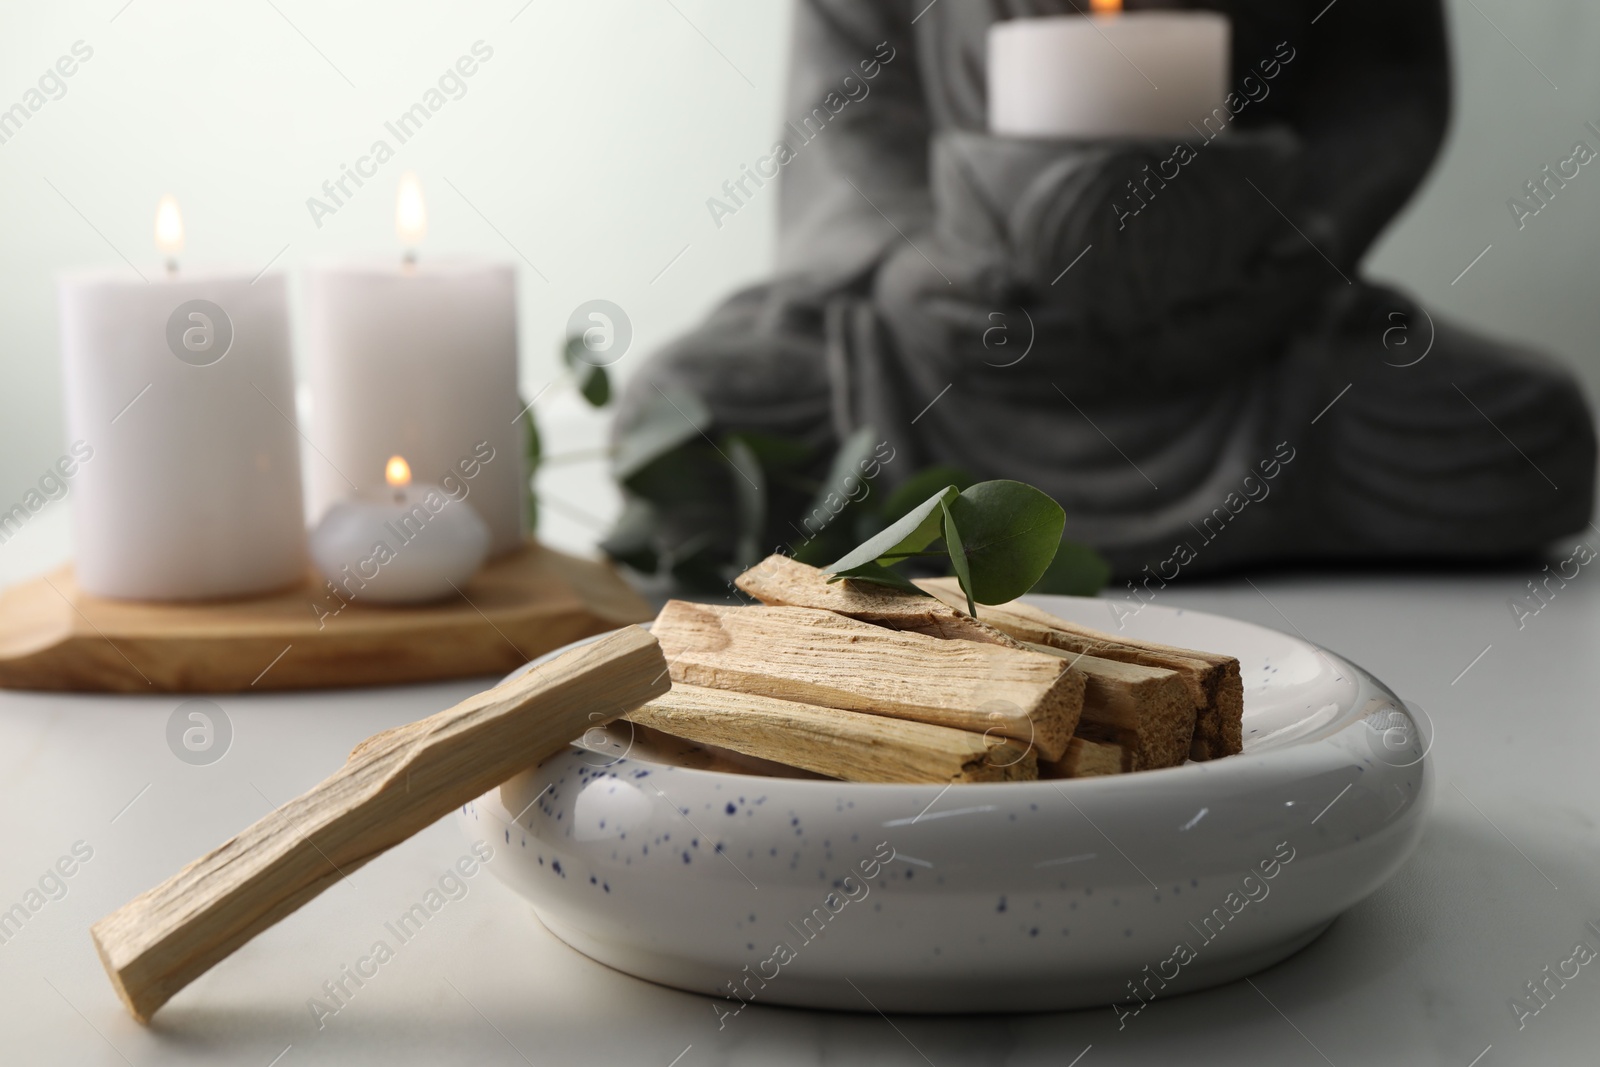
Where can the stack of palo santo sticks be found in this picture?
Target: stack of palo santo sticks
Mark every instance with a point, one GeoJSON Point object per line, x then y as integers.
{"type": "Point", "coordinates": [865, 683]}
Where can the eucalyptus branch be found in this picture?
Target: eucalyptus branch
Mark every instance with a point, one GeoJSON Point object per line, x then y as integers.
{"type": "Point", "coordinates": [1000, 538]}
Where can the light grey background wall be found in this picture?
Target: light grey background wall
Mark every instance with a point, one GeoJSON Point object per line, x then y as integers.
{"type": "Point", "coordinates": [584, 150]}
{"type": "Point", "coordinates": [1527, 81]}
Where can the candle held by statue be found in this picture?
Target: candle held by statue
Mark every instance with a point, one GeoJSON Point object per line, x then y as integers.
{"type": "Point", "coordinates": [1108, 74]}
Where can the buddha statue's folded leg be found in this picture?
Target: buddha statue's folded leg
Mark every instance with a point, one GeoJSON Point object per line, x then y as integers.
{"type": "Point", "coordinates": [1354, 446]}
{"type": "Point", "coordinates": [1476, 449]}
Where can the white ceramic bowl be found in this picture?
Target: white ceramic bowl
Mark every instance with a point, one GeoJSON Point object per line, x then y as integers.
{"type": "Point", "coordinates": [998, 897]}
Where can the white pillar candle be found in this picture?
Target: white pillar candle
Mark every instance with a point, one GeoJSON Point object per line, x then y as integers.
{"type": "Point", "coordinates": [422, 363]}
{"type": "Point", "coordinates": [1140, 74]}
{"type": "Point", "coordinates": [417, 358]}
{"type": "Point", "coordinates": [403, 544]}
{"type": "Point", "coordinates": [183, 387]}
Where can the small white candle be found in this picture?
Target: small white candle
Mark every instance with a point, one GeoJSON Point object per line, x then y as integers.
{"type": "Point", "coordinates": [420, 359]}
{"type": "Point", "coordinates": [182, 385]}
{"type": "Point", "coordinates": [404, 544]}
{"type": "Point", "coordinates": [1140, 74]}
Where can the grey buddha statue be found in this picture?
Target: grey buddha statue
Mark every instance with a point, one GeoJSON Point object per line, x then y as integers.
{"type": "Point", "coordinates": [1173, 341]}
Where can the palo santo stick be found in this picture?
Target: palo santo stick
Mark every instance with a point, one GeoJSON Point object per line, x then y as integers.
{"type": "Point", "coordinates": [784, 582]}
{"type": "Point", "coordinates": [1146, 708]}
{"type": "Point", "coordinates": [1213, 679]}
{"type": "Point", "coordinates": [657, 746]}
{"type": "Point", "coordinates": [407, 779]}
{"type": "Point", "coordinates": [1149, 705]}
{"type": "Point", "coordinates": [817, 657]}
{"type": "Point", "coordinates": [850, 745]}
{"type": "Point", "coordinates": [1090, 759]}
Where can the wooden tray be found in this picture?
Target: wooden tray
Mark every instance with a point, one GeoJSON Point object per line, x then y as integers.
{"type": "Point", "coordinates": [53, 636]}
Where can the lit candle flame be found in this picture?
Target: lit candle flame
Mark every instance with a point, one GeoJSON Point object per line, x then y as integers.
{"type": "Point", "coordinates": [410, 214]}
{"type": "Point", "coordinates": [1105, 7]}
{"type": "Point", "coordinates": [169, 227]}
{"type": "Point", "coordinates": [397, 472]}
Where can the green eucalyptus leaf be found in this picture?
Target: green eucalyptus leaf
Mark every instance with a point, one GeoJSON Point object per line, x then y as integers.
{"type": "Point", "coordinates": [776, 453]}
{"type": "Point", "coordinates": [877, 574]}
{"type": "Point", "coordinates": [595, 385]}
{"type": "Point", "coordinates": [688, 481]}
{"type": "Point", "coordinates": [633, 539]}
{"type": "Point", "coordinates": [666, 421]}
{"type": "Point", "coordinates": [701, 571]}
{"type": "Point", "coordinates": [533, 455]}
{"type": "Point", "coordinates": [573, 351]}
{"type": "Point", "coordinates": [837, 484]}
{"type": "Point", "coordinates": [915, 489]}
{"type": "Point", "coordinates": [1077, 570]}
{"type": "Point", "coordinates": [958, 555]}
{"type": "Point", "coordinates": [1010, 532]}
{"type": "Point", "coordinates": [864, 524]}
{"type": "Point", "coordinates": [827, 544]}
{"type": "Point", "coordinates": [750, 492]}
{"type": "Point", "coordinates": [914, 531]}
{"type": "Point", "coordinates": [531, 445]}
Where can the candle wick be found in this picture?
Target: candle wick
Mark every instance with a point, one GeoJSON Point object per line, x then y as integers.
{"type": "Point", "coordinates": [409, 260]}
{"type": "Point", "coordinates": [172, 267]}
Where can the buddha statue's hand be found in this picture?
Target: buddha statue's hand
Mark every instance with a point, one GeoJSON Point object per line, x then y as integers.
{"type": "Point", "coordinates": [1132, 265]}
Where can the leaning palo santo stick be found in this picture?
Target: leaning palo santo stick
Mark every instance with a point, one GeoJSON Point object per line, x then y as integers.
{"type": "Point", "coordinates": [1213, 679]}
{"type": "Point", "coordinates": [817, 657]}
{"type": "Point", "coordinates": [1148, 707]}
{"type": "Point", "coordinates": [410, 777]}
{"type": "Point", "coordinates": [850, 745]}
{"type": "Point", "coordinates": [1090, 759]}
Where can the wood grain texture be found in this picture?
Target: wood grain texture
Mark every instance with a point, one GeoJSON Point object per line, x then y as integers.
{"type": "Point", "coordinates": [1090, 759]}
{"type": "Point", "coordinates": [1213, 678]}
{"type": "Point", "coordinates": [818, 657]}
{"type": "Point", "coordinates": [849, 745]}
{"type": "Point", "coordinates": [410, 777]}
{"type": "Point", "coordinates": [54, 636]}
{"type": "Point", "coordinates": [1149, 709]}
{"type": "Point", "coordinates": [783, 582]}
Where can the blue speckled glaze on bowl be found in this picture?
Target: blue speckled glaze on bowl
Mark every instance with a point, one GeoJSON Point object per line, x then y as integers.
{"type": "Point", "coordinates": [991, 897]}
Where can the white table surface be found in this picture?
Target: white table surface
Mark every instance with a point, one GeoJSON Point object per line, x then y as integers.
{"type": "Point", "coordinates": [1423, 972]}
